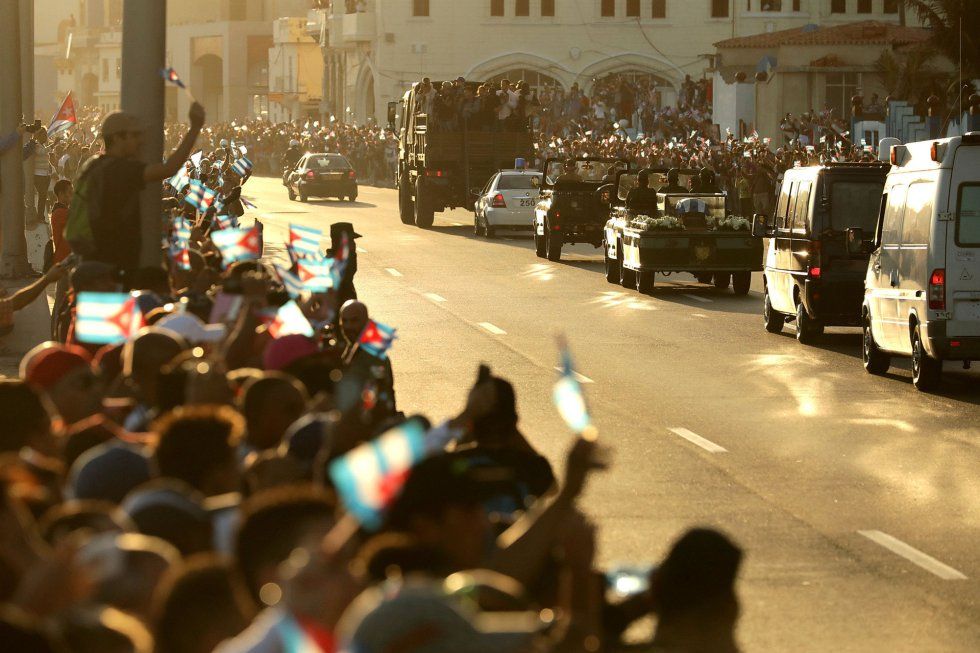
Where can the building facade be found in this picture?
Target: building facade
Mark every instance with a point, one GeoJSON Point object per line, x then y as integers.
{"type": "Point", "coordinates": [375, 49]}
{"type": "Point", "coordinates": [295, 72]}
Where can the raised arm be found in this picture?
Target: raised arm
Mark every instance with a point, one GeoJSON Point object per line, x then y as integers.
{"type": "Point", "coordinates": [160, 171]}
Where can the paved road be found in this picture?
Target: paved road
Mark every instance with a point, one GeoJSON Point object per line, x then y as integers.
{"type": "Point", "coordinates": [856, 498]}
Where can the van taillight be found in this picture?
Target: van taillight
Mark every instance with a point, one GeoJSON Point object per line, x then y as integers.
{"type": "Point", "coordinates": [498, 202]}
{"type": "Point", "coordinates": [937, 290]}
{"type": "Point", "coordinates": [311, 175]}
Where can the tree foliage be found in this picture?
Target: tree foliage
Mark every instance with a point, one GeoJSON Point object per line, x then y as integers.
{"type": "Point", "coordinates": [944, 18]}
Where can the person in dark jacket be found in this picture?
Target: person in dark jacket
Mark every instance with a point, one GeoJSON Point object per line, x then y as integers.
{"type": "Point", "coordinates": [346, 290]}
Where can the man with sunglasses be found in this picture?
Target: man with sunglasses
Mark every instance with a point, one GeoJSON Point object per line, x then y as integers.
{"type": "Point", "coordinates": [116, 219]}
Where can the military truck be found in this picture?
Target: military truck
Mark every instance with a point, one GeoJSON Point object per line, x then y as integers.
{"type": "Point", "coordinates": [444, 166]}
{"type": "Point", "coordinates": [678, 231]}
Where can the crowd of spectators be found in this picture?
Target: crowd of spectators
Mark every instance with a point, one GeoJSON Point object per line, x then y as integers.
{"type": "Point", "coordinates": [214, 480]}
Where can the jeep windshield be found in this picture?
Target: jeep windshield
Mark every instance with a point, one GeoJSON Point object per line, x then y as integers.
{"type": "Point", "coordinates": [591, 171]}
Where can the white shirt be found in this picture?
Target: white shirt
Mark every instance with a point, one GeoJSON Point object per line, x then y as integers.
{"type": "Point", "coordinates": [42, 167]}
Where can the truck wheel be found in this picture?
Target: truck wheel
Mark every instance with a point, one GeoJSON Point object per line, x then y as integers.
{"type": "Point", "coordinates": [741, 282]}
{"type": "Point", "coordinates": [627, 277]}
{"type": "Point", "coordinates": [406, 207]}
{"type": "Point", "coordinates": [644, 281]}
{"type": "Point", "coordinates": [875, 360]}
{"type": "Point", "coordinates": [552, 244]}
{"type": "Point", "coordinates": [927, 372]}
{"type": "Point", "coordinates": [722, 280]}
{"type": "Point", "coordinates": [424, 213]}
{"type": "Point", "coordinates": [611, 265]}
{"type": "Point", "coordinates": [807, 329]}
{"type": "Point", "coordinates": [771, 319]}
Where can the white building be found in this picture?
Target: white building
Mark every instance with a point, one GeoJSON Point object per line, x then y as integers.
{"type": "Point", "coordinates": [375, 49]}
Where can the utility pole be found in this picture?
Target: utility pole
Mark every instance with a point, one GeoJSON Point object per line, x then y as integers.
{"type": "Point", "coordinates": [13, 255]}
{"type": "Point", "coordinates": [144, 51]}
{"type": "Point", "coordinates": [27, 87]}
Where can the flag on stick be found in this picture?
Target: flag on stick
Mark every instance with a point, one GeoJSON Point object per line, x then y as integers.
{"type": "Point", "coordinates": [237, 244]}
{"type": "Point", "coordinates": [65, 118]}
{"type": "Point", "coordinates": [369, 477]}
{"type": "Point", "coordinates": [200, 196]}
{"type": "Point", "coordinates": [377, 339]}
{"type": "Point", "coordinates": [305, 241]}
{"type": "Point", "coordinates": [568, 396]}
{"type": "Point", "coordinates": [107, 317]}
{"type": "Point", "coordinates": [290, 320]}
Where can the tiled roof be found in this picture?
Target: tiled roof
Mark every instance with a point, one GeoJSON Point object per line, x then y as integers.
{"type": "Point", "coordinates": [868, 32]}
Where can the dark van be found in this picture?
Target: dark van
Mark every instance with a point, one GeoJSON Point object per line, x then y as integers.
{"type": "Point", "coordinates": [810, 277]}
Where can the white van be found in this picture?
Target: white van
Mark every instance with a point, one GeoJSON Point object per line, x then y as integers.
{"type": "Point", "coordinates": [922, 290]}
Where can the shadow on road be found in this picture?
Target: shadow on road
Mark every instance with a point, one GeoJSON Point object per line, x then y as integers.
{"type": "Point", "coordinates": [354, 205]}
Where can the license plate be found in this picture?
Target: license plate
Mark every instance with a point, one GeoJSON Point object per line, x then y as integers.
{"type": "Point", "coordinates": [333, 175]}
{"type": "Point", "coordinates": [527, 202]}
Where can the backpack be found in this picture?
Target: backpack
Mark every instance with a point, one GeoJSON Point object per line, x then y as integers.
{"type": "Point", "coordinates": [86, 207]}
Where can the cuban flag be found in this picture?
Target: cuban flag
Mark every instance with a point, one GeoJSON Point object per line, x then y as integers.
{"type": "Point", "coordinates": [180, 180]}
{"type": "Point", "coordinates": [181, 255]}
{"type": "Point", "coordinates": [182, 229]}
{"type": "Point", "coordinates": [291, 282]}
{"type": "Point", "coordinates": [296, 639]}
{"type": "Point", "coordinates": [369, 477]}
{"type": "Point", "coordinates": [568, 396]}
{"type": "Point", "coordinates": [377, 339]}
{"type": "Point", "coordinates": [316, 273]}
{"type": "Point", "coordinates": [290, 320]}
{"type": "Point", "coordinates": [104, 318]}
{"type": "Point", "coordinates": [237, 244]}
{"type": "Point", "coordinates": [226, 221]}
{"type": "Point", "coordinates": [200, 196]}
{"type": "Point", "coordinates": [65, 118]}
{"type": "Point", "coordinates": [196, 159]}
{"type": "Point", "coordinates": [241, 167]}
{"type": "Point", "coordinates": [305, 241]}
{"type": "Point", "coordinates": [170, 75]}
{"type": "Point", "coordinates": [690, 205]}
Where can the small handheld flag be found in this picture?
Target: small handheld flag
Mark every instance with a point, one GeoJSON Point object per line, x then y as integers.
{"type": "Point", "coordinates": [65, 118]}
{"type": "Point", "coordinates": [290, 320]}
{"type": "Point", "coordinates": [170, 75]}
{"type": "Point", "coordinates": [106, 317]}
{"type": "Point", "coordinates": [226, 221]}
{"type": "Point", "coordinates": [200, 196]}
{"type": "Point", "coordinates": [316, 273]}
{"type": "Point", "coordinates": [305, 241]}
{"type": "Point", "coordinates": [369, 477]}
{"type": "Point", "coordinates": [180, 180]}
{"type": "Point", "coordinates": [237, 244]}
{"type": "Point", "coordinates": [291, 282]}
{"type": "Point", "coordinates": [241, 167]}
{"type": "Point", "coordinates": [377, 339]}
{"type": "Point", "coordinates": [568, 396]}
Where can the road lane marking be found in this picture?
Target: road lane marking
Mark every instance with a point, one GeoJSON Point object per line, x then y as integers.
{"type": "Point", "coordinates": [393, 272]}
{"type": "Point", "coordinates": [704, 300]}
{"type": "Point", "coordinates": [913, 555]}
{"type": "Point", "coordinates": [436, 298]}
{"type": "Point", "coordinates": [581, 378]}
{"type": "Point", "coordinates": [458, 224]}
{"type": "Point", "coordinates": [361, 250]}
{"type": "Point", "coordinates": [694, 438]}
{"type": "Point", "coordinates": [698, 315]}
{"type": "Point", "coordinates": [495, 330]}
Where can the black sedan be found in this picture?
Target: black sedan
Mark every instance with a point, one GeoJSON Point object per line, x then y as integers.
{"type": "Point", "coordinates": [322, 175]}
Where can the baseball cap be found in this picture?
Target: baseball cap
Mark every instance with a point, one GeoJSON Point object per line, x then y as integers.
{"type": "Point", "coordinates": [192, 328]}
{"type": "Point", "coordinates": [119, 122]}
{"type": "Point", "coordinates": [51, 365]}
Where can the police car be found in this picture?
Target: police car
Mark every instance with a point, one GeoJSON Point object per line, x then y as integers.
{"type": "Point", "coordinates": [507, 202]}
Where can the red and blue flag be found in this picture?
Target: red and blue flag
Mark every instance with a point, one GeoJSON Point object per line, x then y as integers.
{"type": "Point", "coordinates": [377, 339]}
{"type": "Point", "coordinates": [103, 318]}
{"type": "Point", "coordinates": [237, 244]}
{"type": "Point", "coordinates": [170, 75]}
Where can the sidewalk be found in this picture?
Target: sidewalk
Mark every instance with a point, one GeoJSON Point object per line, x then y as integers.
{"type": "Point", "coordinates": [32, 324]}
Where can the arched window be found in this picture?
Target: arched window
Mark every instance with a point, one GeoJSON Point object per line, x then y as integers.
{"type": "Point", "coordinates": [535, 80]}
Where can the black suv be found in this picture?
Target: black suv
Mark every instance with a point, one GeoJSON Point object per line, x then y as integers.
{"type": "Point", "coordinates": [812, 274]}
{"type": "Point", "coordinates": [569, 208]}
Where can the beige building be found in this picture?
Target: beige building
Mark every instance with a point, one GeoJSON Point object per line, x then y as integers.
{"type": "Point", "coordinates": [219, 47]}
{"type": "Point", "coordinates": [375, 49]}
{"type": "Point", "coordinates": [295, 72]}
{"type": "Point", "coordinates": [810, 68]}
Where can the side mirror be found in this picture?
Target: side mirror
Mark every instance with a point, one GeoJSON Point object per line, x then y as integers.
{"type": "Point", "coordinates": [760, 226]}
{"type": "Point", "coordinates": [854, 241]}
{"type": "Point", "coordinates": [392, 113]}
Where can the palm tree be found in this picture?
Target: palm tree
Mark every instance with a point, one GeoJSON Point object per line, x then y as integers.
{"type": "Point", "coordinates": [950, 20]}
{"type": "Point", "coordinates": [911, 76]}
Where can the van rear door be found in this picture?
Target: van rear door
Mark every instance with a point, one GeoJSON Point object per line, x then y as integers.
{"type": "Point", "coordinates": [963, 244]}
